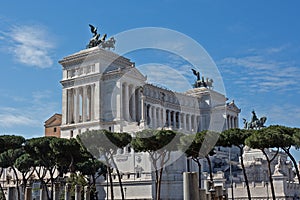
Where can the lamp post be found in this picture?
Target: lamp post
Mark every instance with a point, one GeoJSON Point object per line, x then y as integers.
{"type": "Point", "coordinates": [125, 189]}
{"type": "Point", "coordinates": [231, 178]}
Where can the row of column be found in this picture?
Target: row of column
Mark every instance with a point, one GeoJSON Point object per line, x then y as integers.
{"type": "Point", "coordinates": [131, 103]}
{"type": "Point", "coordinates": [80, 104]}
{"type": "Point", "coordinates": [232, 122]}
{"type": "Point", "coordinates": [12, 192]}
{"type": "Point", "coordinates": [161, 117]}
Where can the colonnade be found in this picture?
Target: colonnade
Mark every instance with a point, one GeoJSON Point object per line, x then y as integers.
{"type": "Point", "coordinates": [232, 122]}
{"type": "Point", "coordinates": [131, 103]}
{"type": "Point", "coordinates": [80, 104]}
{"type": "Point", "coordinates": [158, 117]}
{"type": "Point", "coordinates": [136, 108]}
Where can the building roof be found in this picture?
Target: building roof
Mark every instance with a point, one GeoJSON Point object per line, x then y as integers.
{"type": "Point", "coordinates": [54, 120]}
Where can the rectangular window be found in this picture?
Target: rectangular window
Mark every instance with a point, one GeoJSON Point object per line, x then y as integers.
{"type": "Point", "coordinates": [54, 130]}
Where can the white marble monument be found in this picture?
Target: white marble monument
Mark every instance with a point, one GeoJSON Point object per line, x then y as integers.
{"type": "Point", "coordinates": [102, 90]}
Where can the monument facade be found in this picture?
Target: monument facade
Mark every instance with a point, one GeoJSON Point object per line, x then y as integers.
{"type": "Point", "coordinates": [102, 90]}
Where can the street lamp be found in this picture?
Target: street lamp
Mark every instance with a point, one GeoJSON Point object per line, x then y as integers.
{"type": "Point", "coordinates": [231, 178]}
{"type": "Point", "coordinates": [125, 189]}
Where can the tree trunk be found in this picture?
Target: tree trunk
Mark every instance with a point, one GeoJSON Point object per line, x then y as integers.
{"type": "Point", "coordinates": [111, 183]}
{"type": "Point", "coordinates": [294, 162]}
{"type": "Point", "coordinates": [159, 184]}
{"type": "Point", "coordinates": [270, 175]}
{"type": "Point", "coordinates": [94, 187]}
{"type": "Point", "coordinates": [156, 182]}
{"type": "Point", "coordinates": [120, 183]}
{"type": "Point", "coordinates": [199, 171]}
{"type": "Point", "coordinates": [119, 178]}
{"type": "Point", "coordinates": [52, 183]}
{"type": "Point", "coordinates": [1, 188]}
{"type": "Point", "coordinates": [24, 183]}
{"type": "Point", "coordinates": [17, 180]}
{"type": "Point", "coordinates": [2, 195]}
{"type": "Point", "coordinates": [210, 169]}
{"type": "Point", "coordinates": [41, 173]}
{"type": "Point", "coordinates": [244, 172]}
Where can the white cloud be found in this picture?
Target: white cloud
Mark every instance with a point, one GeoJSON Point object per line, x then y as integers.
{"type": "Point", "coordinates": [32, 113]}
{"type": "Point", "coordinates": [31, 45]}
{"type": "Point", "coordinates": [165, 76]}
{"type": "Point", "coordinates": [266, 82]}
{"type": "Point", "coordinates": [262, 72]}
{"type": "Point", "coordinates": [10, 120]}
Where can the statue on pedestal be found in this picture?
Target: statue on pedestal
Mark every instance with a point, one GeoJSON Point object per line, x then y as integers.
{"type": "Point", "coordinates": [255, 123]}
{"type": "Point", "coordinates": [201, 82]}
{"type": "Point", "coordinates": [95, 41]}
{"type": "Point", "coordinates": [278, 167]}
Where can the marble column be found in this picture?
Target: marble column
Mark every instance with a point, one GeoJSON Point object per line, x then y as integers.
{"type": "Point", "coordinates": [198, 123]}
{"type": "Point", "coordinates": [179, 120]}
{"type": "Point", "coordinates": [68, 106]}
{"type": "Point", "coordinates": [72, 106]}
{"type": "Point", "coordinates": [143, 108]}
{"type": "Point", "coordinates": [190, 122]}
{"type": "Point", "coordinates": [153, 117]}
{"type": "Point", "coordinates": [93, 102]}
{"type": "Point", "coordinates": [87, 191]}
{"type": "Point", "coordinates": [163, 117]}
{"type": "Point", "coordinates": [161, 124]}
{"type": "Point", "coordinates": [174, 119]}
{"type": "Point", "coordinates": [77, 192]}
{"type": "Point", "coordinates": [194, 123]}
{"type": "Point", "coordinates": [28, 193]}
{"type": "Point", "coordinates": [65, 105]}
{"type": "Point", "coordinates": [169, 119]}
{"type": "Point", "coordinates": [187, 126]}
{"type": "Point", "coordinates": [68, 191]}
{"type": "Point", "coordinates": [84, 103]}
{"type": "Point", "coordinates": [11, 193]}
{"type": "Point", "coordinates": [227, 121]}
{"type": "Point", "coordinates": [76, 106]}
{"type": "Point", "coordinates": [119, 102]}
{"type": "Point", "coordinates": [56, 191]}
{"type": "Point", "coordinates": [184, 121]}
{"type": "Point", "coordinates": [190, 186]}
{"type": "Point", "coordinates": [96, 104]}
{"type": "Point", "coordinates": [43, 193]}
{"type": "Point", "coordinates": [138, 105]}
{"type": "Point", "coordinates": [133, 101]}
{"type": "Point", "coordinates": [126, 102]}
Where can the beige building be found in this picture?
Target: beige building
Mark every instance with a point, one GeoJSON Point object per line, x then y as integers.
{"type": "Point", "coordinates": [52, 125]}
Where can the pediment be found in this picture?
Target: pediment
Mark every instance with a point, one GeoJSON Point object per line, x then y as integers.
{"type": "Point", "coordinates": [136, 74]}
{"type": "Point", "coordinates": [233, 106]}
{"type": "Point", "coordinates": [54, 120]}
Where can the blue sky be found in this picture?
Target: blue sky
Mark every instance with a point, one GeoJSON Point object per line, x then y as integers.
{"type": "Point", "coordinates": [255, 45]}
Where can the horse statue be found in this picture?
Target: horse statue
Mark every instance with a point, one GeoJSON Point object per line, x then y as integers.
{"type": "Point", "coordinates": [94, 41]}
{"type": "Point", "coordinates": [97, 41]}
{"type": "Point", "coordinates": [110, 43]}
{"type": "Point", "coordinates": [255, 122]}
